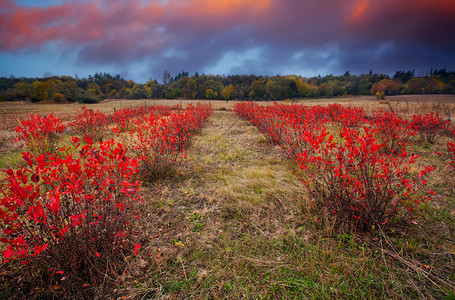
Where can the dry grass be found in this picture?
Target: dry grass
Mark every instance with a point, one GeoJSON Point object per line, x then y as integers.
{"type": "Point", "coordinates": [405, 105]}
{"type": "Point", "coordinates": [10, 112]}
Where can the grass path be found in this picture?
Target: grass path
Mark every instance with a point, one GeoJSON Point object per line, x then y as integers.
{"type": "Point", "coordinates": [232, 224]}
{"type": "Point", "coordinates": [235, 194]}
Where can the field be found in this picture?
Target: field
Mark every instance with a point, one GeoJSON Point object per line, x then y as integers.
{"type": "Point", "coordinates": [234, 220]}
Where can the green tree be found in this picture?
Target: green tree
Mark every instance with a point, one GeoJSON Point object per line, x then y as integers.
{"type": "Point", "coordinates": [275, 90]}
{"type": "Point", "coordinates": [364, 86]}
{"type": "Point", "coordinates": [153, 89]}
{"type": "Point", "coordinates": [403, 76]}
{"type": "Point", "coordinates": [24, 89]}
{"type": "Point", "coordinates": [290, 84]}
{"type": "Point", "coordinates": [172, 93]}
{"type": "Point", "coordinates": [189, 87]}
{"type": "Point", "coordinates": [257, 89]}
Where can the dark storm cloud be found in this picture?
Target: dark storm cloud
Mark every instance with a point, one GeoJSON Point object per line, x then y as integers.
{"type": "Point", "coordinates": [199, 35]}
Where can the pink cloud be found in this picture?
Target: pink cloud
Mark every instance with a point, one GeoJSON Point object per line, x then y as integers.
{"type": "Point", "coordinates": [202, 30]}
{"type": "Point", "coordinates": [86, 22]}
{"type": "Point", "coordinates": [83, 22]}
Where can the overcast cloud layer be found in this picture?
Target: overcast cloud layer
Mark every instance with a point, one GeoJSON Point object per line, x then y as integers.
{"type": "Point", "coordinates": [141, 39]}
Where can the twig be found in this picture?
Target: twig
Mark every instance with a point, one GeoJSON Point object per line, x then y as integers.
{"type": "Point", "coordinates": [414, 265]}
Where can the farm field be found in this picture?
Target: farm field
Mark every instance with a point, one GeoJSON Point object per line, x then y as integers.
{"type": "Point", "coordinates": [233, 219]}
{"type": "Point", "coordinates": [12, 112]}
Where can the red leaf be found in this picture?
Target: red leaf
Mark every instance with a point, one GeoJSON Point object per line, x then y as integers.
{"type": "Point", "coordinates": [35, 178]}
{"type": "Point", "coordinates": [8, 253]}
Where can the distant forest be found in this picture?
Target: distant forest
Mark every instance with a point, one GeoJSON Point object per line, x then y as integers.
{"type": "Point", "coordinates": [241, 87]}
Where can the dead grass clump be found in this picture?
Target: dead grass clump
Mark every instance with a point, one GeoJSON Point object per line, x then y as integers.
{"type": "Point", "coordinates": [7, 142]}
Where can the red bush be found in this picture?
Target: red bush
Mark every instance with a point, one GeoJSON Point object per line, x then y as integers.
{"type": "Point", "coordinates": [40, 134]}
{"type": "Point", "coordinates": [390, 130]}
{"type": "Point", "coordinates": [356, 182]}
{"type": "Point", "coordinates": [159, 143]}
{"type": "Point", "coordinates": [429, 127]}
{"type": "Point", "coordinates": [72, 212]}
{"type": "Point", "coordinates": [91, 124]}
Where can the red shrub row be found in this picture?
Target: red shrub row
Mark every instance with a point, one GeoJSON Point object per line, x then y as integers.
{"type": "Point", "coordinates": [159, 143]}
{"type": "Point", "coordinates": [359, 176]}
{"type": "Point", "coordinates": [74, 210]}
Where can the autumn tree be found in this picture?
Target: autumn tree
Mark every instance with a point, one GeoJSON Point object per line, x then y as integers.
{"type": "Point", "coordinates": [210, 94]}
{"type": "Point", "coordinates": [437, 86]}
{"type": "Point", "coordinates": [94, 89]}
{"type": "Point", "coordinates": [416, 85]}
{"type": "Point", "coordinates": [227, 91]}
{"type": "Point", "coordinates": [58, 98]}
{"type": "Point", "coordinates": [239, 92]}
{"type": "Point", "coordinates": [137, 92]}
{"type": "Point", "coordinates": [326, 90]}
{"type": "Point", "coordinates": [387, 86]}
{"type": "Point", "coordinates": [153, 89]}
{"type": "Point", "coordinates": [39, 91]}
{"type": "Point", "coordinates": [308, 90]}
{"type": "Point", "coordinates": [211, 84]}
{"type": "Point", "coordinates": [24, 90]}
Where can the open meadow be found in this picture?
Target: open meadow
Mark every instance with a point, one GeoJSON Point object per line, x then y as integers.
{"type": "Point", "coordinates": [144, 199]}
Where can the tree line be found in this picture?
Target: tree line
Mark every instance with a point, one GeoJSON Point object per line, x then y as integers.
{"type": "Point", "coordinates": [62, 89]}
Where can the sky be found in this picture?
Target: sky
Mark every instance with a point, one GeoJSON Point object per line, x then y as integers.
{"type": "Point", "coordinates": [141, 39]}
